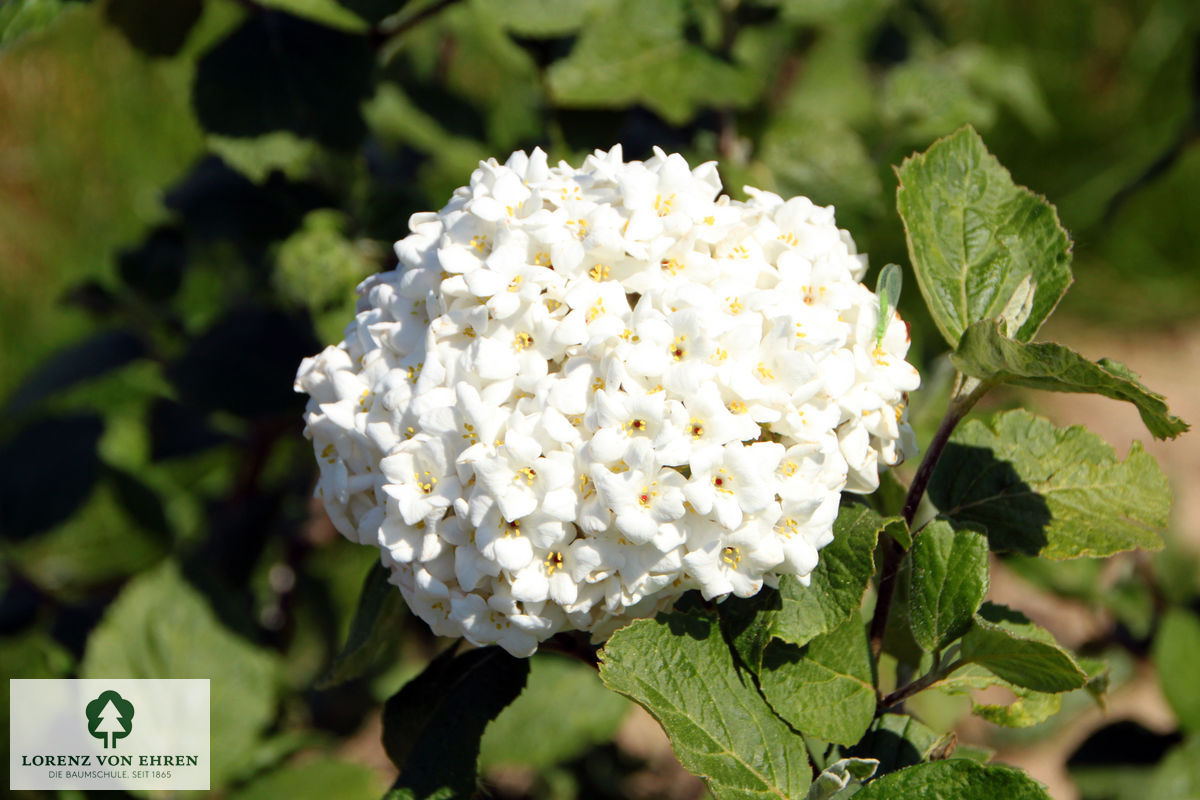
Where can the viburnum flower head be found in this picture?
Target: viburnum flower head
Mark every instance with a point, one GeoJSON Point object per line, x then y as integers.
{"type": "Point", "coordinates": [584, 392]}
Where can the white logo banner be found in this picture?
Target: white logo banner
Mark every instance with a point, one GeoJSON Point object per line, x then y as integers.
{"type": "Point", "coordinates": [108, 734]}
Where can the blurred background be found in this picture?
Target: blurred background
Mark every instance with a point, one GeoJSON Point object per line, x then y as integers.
{"type": "Point", "coordinates": [190, 190]}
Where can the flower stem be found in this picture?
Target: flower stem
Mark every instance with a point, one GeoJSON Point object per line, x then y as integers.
{"type": "Point", "coordinates": [967, 394]}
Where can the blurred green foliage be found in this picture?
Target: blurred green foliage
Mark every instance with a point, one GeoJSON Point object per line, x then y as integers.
{"type": "Point", "coordinates": [189, 192]}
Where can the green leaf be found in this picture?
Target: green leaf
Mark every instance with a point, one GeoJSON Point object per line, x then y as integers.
{"type": "Point", "coordinates": [836, 586]}
{"type": "Point", "coordinates": [948, 579]}
{"type": "Point", "coordinates": [975, 238]}
{"type": "Point", "coordinates": [1013, 648]}
{"type": "Point", "coordinates": [258, 158]}
{"type": "Point", "coordinates": [538, 19]}
{"type": "Point", "coordinates": [18, 17]}
{"type": "Point", "coordinates": [161, 627]}
{"type": "Point", "coordinates": [679, 668]}
{"type": "Point", "coordinates": [568, 706]}
{"type": "Point", "coordinates": [1176, 654]}
{"type": "Point", "coordinates": [491, 72]}
{"type": "Point", "coordinates": [797, 613]}
{"type": "Point", "coordinates": [373, 632]}
{"type": "Point", "coordinates": [1178, 775]}
{"type": "Point", "coordinates": [1029, 708]}
{"type": "Point", "coordinates": [825, 689]}
{"type": "Point", "coordinates": [1042, 490]}
{"type": "Point", "coordinates": [816, 155]}
{"type": "Point", "coordinates": [315, 780]}
{"type": "Point", "coordinates": [955, 779]}
{"type": "Point", "coordinates": [986, 353]}
{"type": "Point", "coordinates": [747, 623]}
{"type": "Point", "coordinates": [432, 726]}
{"type": "Point", "coordinates": [327, 12]}
{"type": "Point", "coordinates": [635, 51]}
{"type": "Point", "coordinates": [887, 285]}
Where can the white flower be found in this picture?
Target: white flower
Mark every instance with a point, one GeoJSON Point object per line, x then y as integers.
{"type": "Point", "coordinates": [586, 391]}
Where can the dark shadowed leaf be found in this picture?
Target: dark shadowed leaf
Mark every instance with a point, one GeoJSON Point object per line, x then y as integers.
{"type": "Point", "coordinates": [155, 27]}
{"type": "Point", "coordinates": [218, 202]}
{"type": "Point", "coordinates": [1042, 490]}
{"type": "Point", "coordinates": [374, 10]}
{"type": "Point", "coordinates": [280, 72]}
{"type": "Point", "coordinates": [897, 741]}
{"type": "Point", "coordinates": [245, 363]}
{"type": "Point", "coordinates": [680, 669]}
{"type": "Point", "coordinates": [432, 726]}
{"type": "Point", "coordinates": [179, 430]}
{"type": "Point", "coordinates": [374, 631]}
{"type": "Point", "coordinates": [140, 502]}
{"type": "Point", "coordinates": [566, 701]}
{"type": "Point", "coordinates": [47, 471]}
{"type": "Point", "coordinates": [155, 268]}
{"type": "Point", "coordinates": [90, 358]}
{"type": "Point", "coordinates": [986, 353]}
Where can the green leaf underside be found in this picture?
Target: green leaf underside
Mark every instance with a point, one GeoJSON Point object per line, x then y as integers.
{"type": "Point", "coordinates": [1013, 648]}
{"type": "Point", "coordinates": [1176, 654]}
{"type": "Point", "coordinates": [432, 726]}
{"type": "Point", "coordinates": [635, 51]}
{"type": "Point", "coordinates": [680, 669]}
{"type": "Point", "coordinates": [824, 689]}
{"type": "Point", "coordinates": [948, 581]}
{"type": "Point", "coordinates": [1027, 708]}
{"type": "Point", "coordinates": [986, 353]}
{"type": "Point", "coordinates": [974, 236]}
{"type": "Point", "coordinates": [954, 779]}
{"type": "Point", "coordinates": [1041, 490]}
{"type": "Point", "coordinates": [797, 613]}
{"type": "Point", "coordinates": [373, 631]}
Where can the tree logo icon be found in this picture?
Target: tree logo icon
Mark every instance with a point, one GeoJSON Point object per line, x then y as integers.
{"type": "Point", "coordinates": [110, 717]}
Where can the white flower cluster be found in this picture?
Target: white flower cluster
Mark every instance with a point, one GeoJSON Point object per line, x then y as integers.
{"type": "Point", "coordinates": [584, 392]}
